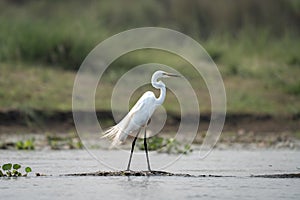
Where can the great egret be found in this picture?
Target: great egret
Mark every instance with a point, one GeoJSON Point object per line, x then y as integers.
{"type": "Point", "coordinates": [139, 116]}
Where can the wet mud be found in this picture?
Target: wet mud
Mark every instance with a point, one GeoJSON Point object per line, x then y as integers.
{"type": "Point", "coordinates": [164, 173]}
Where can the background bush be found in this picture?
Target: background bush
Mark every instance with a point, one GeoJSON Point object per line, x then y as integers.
{"type": "Point", "coordinates": [61, 33]}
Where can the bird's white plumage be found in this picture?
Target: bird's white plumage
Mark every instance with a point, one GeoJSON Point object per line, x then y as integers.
{"type": "Point", "coordinates": [137, 117]}
{"type": "Point", "coordinates": [140, 113]}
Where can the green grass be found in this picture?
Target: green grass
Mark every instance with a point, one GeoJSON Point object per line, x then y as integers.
{"type": "Point", "coordinates": [254, 84]}
{"type": "Point", "coordinates": [24, 87]}
{"type": "Point", "coordinates": [44, 42]}
{"type": "Point", "coordinates": [46, 32]}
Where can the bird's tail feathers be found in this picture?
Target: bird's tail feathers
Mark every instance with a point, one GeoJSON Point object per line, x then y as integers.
{"type": "Point", "coordinates": [113, 134]}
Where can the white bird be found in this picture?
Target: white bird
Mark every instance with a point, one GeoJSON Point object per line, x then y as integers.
{"type": "Point", "coordinates": [139, 116]}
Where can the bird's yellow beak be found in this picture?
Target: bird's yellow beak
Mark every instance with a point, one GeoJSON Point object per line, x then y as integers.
{"type": "Point", "coordinates": [171, 75]}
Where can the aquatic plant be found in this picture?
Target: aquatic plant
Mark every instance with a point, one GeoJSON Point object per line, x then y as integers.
{"type": "Point", "coordinates": [163, 145]}
{"type": "Point", "coordinates": [25, 145]}
{"type": "Point", "coordinates": [12, 170]}
{"type": "Point", "coordinates": [64, 142]}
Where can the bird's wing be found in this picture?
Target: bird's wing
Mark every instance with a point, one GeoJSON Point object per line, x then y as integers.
{"type": "Point", "coordinates": [143, 109]}
{"type": "Point", "coordinates": [137, 117]}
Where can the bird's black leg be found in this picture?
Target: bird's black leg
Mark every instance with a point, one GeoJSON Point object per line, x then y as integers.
{"type": "Point", "coordinates": [132, 148]}
{"type": "Point", "coordinates": [146, 150]}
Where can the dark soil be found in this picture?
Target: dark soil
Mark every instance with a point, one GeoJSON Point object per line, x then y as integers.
{"type": "Point", "coordinates": [130, 173]}
{"type": "Point", "coordinates": [163, 173]}
{"type": "Point", "coordinates": [297, 175]}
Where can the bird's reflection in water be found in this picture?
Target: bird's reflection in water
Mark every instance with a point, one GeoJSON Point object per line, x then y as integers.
{"type": "Point", "coordinates": [141, 186]}
{"type": "Point", "coordinates": [138, 182]}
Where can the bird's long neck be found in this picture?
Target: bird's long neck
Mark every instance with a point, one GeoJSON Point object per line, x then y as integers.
{"type": "Point", "coordinates": [159, 85]}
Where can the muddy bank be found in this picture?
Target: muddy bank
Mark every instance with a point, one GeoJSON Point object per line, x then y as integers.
{"type": "Point", "coordinates": [164, 173]}
{"type": "Point", "coordinates": [56, 130]}
{"type": "Point", "coordinates": [71, 141]}
{"type": "Point", "coordinates": [39, 121]}
{"type": "Point", "coordinates": [129, 173]}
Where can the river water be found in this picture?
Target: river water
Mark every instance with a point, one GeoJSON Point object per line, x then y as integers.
{"type": "Point", "coordinates": [236, 167]}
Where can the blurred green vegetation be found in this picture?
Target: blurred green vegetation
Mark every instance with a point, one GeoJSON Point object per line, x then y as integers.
{"type": "Point", "coordinates": [162, 145]}
{"type": "Point", "coordinates": [255, 44]}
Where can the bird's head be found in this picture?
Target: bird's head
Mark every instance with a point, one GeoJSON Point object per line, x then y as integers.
{"type": "Point", "coordinates": [163, 74]}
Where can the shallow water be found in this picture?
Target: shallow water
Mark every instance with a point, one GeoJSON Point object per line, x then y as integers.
{"type": "Point", "coordinates": [238, 163]}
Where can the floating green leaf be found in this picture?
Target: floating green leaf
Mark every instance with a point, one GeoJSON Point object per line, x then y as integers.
{"type": "Point", "coordinates": [11, 170]}
{"type": "Point", "coordinates": [28, 169]}
{"type": "Point", "coordinates": [16, 166]}
{"type": "Point", "coordinates": [7, 166]}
